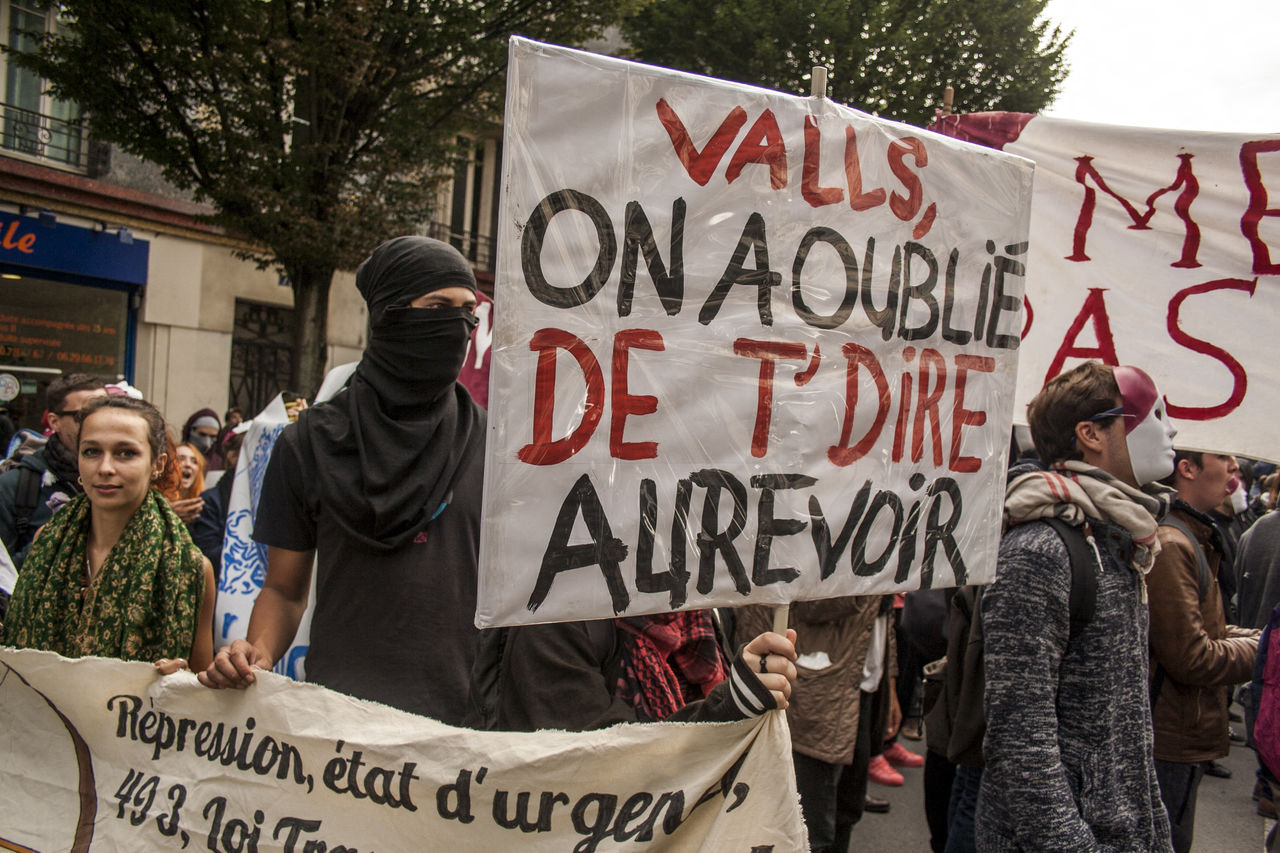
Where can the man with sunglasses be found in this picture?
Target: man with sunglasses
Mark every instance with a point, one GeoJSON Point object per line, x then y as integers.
{"type": "Point", "coordinates": [1069, 764]}
{"type": "Point", "coordinates": [26, 488]}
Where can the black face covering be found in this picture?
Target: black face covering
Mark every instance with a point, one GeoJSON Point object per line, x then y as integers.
{"type": "Point", "coordinates": [415, 354]}
{"type": "Point", "coordinates": [384, 450]}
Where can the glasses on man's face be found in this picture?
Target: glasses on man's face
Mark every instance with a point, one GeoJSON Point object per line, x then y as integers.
{"type": "Point", "coordinates": [1117, 412]}
{"type": "Point", "coordinates": [67, 413]}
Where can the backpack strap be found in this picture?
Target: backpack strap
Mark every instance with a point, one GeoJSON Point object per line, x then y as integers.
{"type": "Point", "coordinates": [25, 500]}
{"type": "Point", "coordinates": [1084, 577]}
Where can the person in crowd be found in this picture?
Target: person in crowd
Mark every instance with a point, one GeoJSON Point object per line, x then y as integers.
{"type": "Point", "coordinates": [588, 675]}
{"type": "Point", "coordinates": [115, 573]}
{"type": "Point", "coordinates": [1258, 560]}
{"type": "Point", "coordinates": [182, 480]}
{"type": "Point", "coordinates": [211, 524]}
{"type": "Point", "coordinates": [200, 430]}
{"type": "Point", "coordinates": [1258, 573]}
{"type": "Point", "coordinates": [882, 715]}
{"type": "Point", "coordinates": [1068, 724]}
{"type": "Point", "coordinates": [190, 470]}
{"type": "Point", "coordinates": [380, 487]}
{"type": "Point", "coordinates": [1195, 654]}
{"type": "Point", "coordinates": [215, 459]}
{"type": "Point", "coordinates": [382, 484]}
{"type": "Point", "coordinates": [823, 716]}
{"type": "Point", "coordinates": [27, 489]}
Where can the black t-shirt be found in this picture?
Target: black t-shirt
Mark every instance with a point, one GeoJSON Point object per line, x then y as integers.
{"type": "Point", "coordinates": [396, 628]}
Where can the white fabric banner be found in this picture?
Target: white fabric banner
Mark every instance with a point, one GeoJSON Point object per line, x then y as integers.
{"type": "Point", "coordinates": [244, 562]}
{"type": "Point", "coordinates": [1156, 248]}
{"type": "Point", "coordinates": [753, 347]}
{"type": "Point", "coordinates": [98, 754]}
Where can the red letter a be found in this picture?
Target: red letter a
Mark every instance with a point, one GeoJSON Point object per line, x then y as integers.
{"type": "Point", "coordinates": [1094, 308]}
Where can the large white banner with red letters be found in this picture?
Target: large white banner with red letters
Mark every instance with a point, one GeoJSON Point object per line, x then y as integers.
{"type": "Point", "coordinates": [1157, 248]}
{"type": "Point", "coordinates": [752, 347]}
{"type": "Point", "coordinates": [104, 755]}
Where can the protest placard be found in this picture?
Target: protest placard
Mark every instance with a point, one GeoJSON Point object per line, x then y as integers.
{"type": "Point", "coordinates": [1157, 248]}
{"type": "Point", "coordinates": [99, 754]}
{"type": "Point", "coordinates": [753, 347]}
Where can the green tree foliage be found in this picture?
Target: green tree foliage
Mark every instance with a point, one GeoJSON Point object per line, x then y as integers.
{"type": "Point", "coordinates": [317, 128]}
{"type": "Point", "coordinates": [892, 58]}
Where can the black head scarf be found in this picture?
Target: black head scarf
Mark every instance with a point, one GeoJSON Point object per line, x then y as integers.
{"type": "Point", "coordinates": [384, 451]}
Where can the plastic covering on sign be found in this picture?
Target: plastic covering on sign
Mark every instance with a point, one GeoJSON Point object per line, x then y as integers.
{"type": "Point", "coordinates": [752, 347]}
{"type": "Point", "coordinates": [1156, 248]}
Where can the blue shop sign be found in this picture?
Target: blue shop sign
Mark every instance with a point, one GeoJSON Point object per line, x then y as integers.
{"type": "Point", "coordinates": [71, 249]}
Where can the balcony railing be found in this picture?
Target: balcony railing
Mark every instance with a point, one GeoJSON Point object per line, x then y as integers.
{"type": "Point", "coordinates": [477, 248]}
{"type": "Point", "coordinates": [43, 137]}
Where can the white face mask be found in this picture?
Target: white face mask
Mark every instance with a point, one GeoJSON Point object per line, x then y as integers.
{"type": "Point", "coordinates": [1151, 446]}
{"type": "Point", "coordinates": [1239, 500]}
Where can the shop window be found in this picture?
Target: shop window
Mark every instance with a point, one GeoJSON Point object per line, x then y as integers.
{"type": "Point", "coordinates": [49, 327]}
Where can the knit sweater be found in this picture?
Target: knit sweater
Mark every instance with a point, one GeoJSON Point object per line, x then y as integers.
{"type": "Point", "coordinates": [1068, 744]}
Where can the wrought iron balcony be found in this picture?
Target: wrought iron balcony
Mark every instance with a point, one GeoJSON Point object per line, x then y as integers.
{"type": "Point", "coordinates": [43, 137]}
{"type": "Point", "coordinates": [477, 248]}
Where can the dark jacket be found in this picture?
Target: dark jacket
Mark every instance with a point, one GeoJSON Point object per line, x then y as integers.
{"type": "Point", "coordinates": [1258, 563]}
{"type": "Point", "coordinates": [1068, 740]}
{"type": "Point", "coordinates": [17, 542]}
{"type": "Point", "coordinates": [563, 676]}
{"type": "Point", "coordinates": [210, 525]}
{"type": "Point", "coordinates": [1195, 654]}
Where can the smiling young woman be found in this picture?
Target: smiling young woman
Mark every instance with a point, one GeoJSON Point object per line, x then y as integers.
{"type": "Point", "coordinates": [116, 552]}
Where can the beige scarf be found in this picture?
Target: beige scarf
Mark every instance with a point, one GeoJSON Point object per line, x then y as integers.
{"type": "Point", "coordinates": [1074, 491]}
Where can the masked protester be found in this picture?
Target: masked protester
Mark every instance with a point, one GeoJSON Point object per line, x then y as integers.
{"type": "Point", "coordinates": [1068, 755]}
{"type": "Point", "coordinates": [381, 486]}
{"type": "Point", "coordinates": [201, 430]}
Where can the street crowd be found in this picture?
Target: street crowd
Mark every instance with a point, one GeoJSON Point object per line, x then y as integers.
{"type": "Point", "coordinates": [1075, 703]}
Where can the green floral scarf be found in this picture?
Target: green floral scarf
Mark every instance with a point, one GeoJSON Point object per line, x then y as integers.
{"type": "Point", "coordinates": [143, 603]}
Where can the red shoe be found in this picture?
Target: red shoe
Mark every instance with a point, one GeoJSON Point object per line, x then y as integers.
{"type": "Point", "coordinates": [881, 773]}
{"type": "Point", "coordinates": [900, 756]}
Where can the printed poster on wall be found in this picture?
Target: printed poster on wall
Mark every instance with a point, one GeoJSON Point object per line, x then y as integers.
{"type": "Point", "coordinates": [753, 347]}
{"type": "Point", "coordinates": [1156, 248]}
{"type": "Point", "coordinates": [101, 754]}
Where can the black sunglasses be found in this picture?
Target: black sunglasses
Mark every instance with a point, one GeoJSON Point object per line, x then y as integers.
{"type": "Point", "coordinates": [1117, 412]}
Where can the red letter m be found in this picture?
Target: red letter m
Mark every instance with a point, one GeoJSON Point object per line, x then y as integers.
{"type": "Point", "coordinates": [1185, 179]}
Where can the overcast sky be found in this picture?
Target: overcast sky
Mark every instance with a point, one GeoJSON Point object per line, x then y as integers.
{"type": "Point", "coordinates": [1183, 64]}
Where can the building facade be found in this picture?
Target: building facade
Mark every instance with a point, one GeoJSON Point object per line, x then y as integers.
{"type": "Point", "coordinates": [106, 269]}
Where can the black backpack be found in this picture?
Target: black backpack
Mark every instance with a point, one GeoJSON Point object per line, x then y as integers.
{"type": "Point", "coordinates": [27, 495]}
{"type": "Point", "coordinates": [956, 724]}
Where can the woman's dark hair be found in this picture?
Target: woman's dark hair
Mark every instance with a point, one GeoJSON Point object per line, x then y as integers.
{"type": "Point", "coordinates": [156, 437]}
